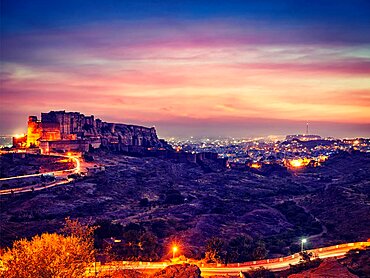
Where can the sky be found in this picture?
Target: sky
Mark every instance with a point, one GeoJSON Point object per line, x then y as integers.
{"type": "Point", "coordinates": [190, 68]}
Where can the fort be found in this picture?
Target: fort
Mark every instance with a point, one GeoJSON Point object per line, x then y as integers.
{"type": "Point", "coordinates": [61, 131]}
{"type": "Point", "coordinates": [73, 131]}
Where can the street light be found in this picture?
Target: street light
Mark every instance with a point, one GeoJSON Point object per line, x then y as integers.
{"type": "Point", "coordinates": [303, 241]}
{"type": "Point", "coordinates": [174, 250]}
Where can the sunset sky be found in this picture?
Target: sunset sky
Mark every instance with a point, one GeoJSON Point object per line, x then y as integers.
{"type": "Point", "coordinates": [191, 68]}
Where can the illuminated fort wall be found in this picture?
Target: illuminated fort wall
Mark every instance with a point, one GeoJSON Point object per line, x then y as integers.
{"type": "Point", "coordinates": [71, 124]}
{"type": "Point", "coordinates": [34, 132]}
{"type": "Point", "coordinates": [64, 145]}
{"type": "Point", "coordinates": [37, 131]}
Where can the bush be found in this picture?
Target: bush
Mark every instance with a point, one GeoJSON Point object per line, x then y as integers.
{"type": "Point", "coordinates": [48, 255]}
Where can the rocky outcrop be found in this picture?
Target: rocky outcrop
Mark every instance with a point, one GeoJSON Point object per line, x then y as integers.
{"type": "Point", "coordinates": [179, 271]}
{"type": "Point", "coordinates": [327, 269]}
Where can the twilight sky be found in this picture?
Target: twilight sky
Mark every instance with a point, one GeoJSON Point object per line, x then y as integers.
{"type": "Point", "coordinates": [191, 68]}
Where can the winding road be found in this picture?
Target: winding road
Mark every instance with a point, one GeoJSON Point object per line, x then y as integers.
{"type": "Point", "coordinates": [207, 270]}
{"type": "Point", "coordinates": [61, 178]}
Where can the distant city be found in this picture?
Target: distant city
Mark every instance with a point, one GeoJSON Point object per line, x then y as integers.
{"type": "Point", "coordinates": [300, 148]}
{"type": "Point", "coordinates": [60, 131]}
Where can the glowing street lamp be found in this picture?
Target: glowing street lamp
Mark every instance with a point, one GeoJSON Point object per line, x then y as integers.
{"type": "Point", "coordinates": [174, 250]}
{"type": "Point", "coordinates": [303, 241]}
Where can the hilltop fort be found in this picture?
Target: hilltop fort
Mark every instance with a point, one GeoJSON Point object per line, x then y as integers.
{"type": "Point", "coordinates": [73, 131]}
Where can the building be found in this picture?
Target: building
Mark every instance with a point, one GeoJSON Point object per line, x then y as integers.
{"type": "Point", "coordinates": [71, 124]}
{"type": "Point", "coordinates": [73, 131]}
{"type": "Point", "coordinates": [38, 130]}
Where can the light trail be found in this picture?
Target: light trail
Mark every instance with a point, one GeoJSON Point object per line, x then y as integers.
{"type": "Point", "coordinates": [275, 264]}
{"type": "Point", "coordinates": [74, 170]}
{"type": "Point", "coordinates": [31, 188]}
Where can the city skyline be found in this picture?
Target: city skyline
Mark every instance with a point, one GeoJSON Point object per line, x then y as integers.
{"type": "Point", "coordinates": [191, 69]}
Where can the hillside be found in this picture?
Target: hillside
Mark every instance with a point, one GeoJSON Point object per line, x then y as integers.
{"type": "Point", "coordinates": [192, 203]}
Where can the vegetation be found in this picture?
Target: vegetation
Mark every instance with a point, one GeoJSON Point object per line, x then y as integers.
{"type": "Point", "coordinates": [303, 222]}
{"type": "Point", "coordinates": [134, 242]}
{"type": "Point", "coordinates": [106, 229]}
{"type": "Point", "coordinates": [243, 249]}
{"type": "Point", "coordinates": [138, 246]}
{"type": "Point", "coordinates": [305, 263]}
{"type": "Point", "coordinates": [215, 250]}
{"type": "Point", "coordinates": [304, 225]}
{"type": "Point", "coordinates": [238, 249]}
{"type": "Point", "coordinates": [51, 255]}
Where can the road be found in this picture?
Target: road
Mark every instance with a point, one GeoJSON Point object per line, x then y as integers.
{"type": "Point", "coordinates": [61, 178]}
{"type": "Point", "coordinates": [276, 264]}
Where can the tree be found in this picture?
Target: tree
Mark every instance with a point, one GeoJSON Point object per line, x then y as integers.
{"type": "Point", "coordinates": [305, 256]}
{"type": "Point", "coordinates": [149, 247]}
{"type": "Point", "coordinates": [239, 249]}
{"type": "Point", "coordinates": [243, 249]}
{"type": "Point", "coordinates": [48, 255]}
{"type": "Point", "coordinates": [215, 251]}
{"type": "Point", "coordinates": [137, 244]}
{"type": "Point", "coordinates": [131, 237]}
{"type": "Point", "coordinates": [260, 251]}
{"type": "Point", "coordinates": [106, 229]}
{"type": "Point", "coordinates": [305, 263]}
{"type": "Point", "coordinates": [84, 233]}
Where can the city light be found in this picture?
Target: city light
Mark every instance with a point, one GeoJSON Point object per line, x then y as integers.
{"type": "Point", "coordinates": [256, 165]}
{"type": "Point", "coordinates": [174, 250]}
{"type": "Point", "coordinates": [303, 241]}
{"type": "Point", "coordinates": [298, 162]}
{"type": "Point", "coordinates": [17, 136]}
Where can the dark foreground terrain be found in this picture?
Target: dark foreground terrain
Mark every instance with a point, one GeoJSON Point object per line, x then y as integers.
{"type": "Point", "coordinates": [191, 203]}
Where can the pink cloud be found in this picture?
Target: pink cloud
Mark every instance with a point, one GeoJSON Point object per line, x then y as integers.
{"type": "Point", "coordinates": [214, 71]}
